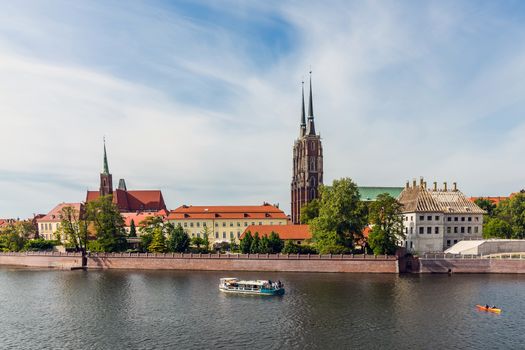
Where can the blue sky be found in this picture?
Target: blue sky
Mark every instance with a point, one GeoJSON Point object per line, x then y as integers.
{"type": "Point", "coordinates": [201, 99]}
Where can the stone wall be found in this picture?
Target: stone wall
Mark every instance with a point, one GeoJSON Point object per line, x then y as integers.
{"type": "Point", "coordinates": [472, 265]}
{"type": "Point", "coordinates": [42, 259]}
{"type": "Point", "coordinates": [245, 262]}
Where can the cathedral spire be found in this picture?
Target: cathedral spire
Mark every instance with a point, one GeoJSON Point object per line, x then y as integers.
{"type": "Point", "coordinates": [311, 124]}
{"type": "Point", "coordinates": [303, 117]}
{"type": "Point", "coordinates": [106, 167]}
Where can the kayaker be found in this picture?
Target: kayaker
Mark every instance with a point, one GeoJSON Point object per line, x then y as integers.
{"type": "Point", "coordinates": [487, 306]}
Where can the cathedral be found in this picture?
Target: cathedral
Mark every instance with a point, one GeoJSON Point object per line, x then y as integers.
{"type": "Point", "coordinates": [307, 161]}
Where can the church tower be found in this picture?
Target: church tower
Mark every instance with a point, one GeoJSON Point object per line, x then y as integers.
{"type": "Point", "coordinates": [307, 161]}
{"type": "Point", "coordinates": [106, 179]}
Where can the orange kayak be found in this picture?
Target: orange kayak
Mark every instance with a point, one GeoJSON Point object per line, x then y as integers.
{"type": "Point", "coordinates": [490, 309]}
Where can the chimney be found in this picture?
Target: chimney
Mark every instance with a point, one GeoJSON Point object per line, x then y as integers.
{"type": "Point", "coordinates": [414, 183]}
{"type": "Point", "coordinates": [455, 186]}
{"type": "Point", "coordinates": [445, 186]}
{"type": "Point", "coordinates": [421, 183]}
{"type": "Point", "coordinates": [435, 186]}
{"type": "Point", "coordinates": [425, 184]}
{"type": "Point", "coordinates": [407, 184]}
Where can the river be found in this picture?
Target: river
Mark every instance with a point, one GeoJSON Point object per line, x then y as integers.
{"type": "Point", "coordinates": [48, 309]}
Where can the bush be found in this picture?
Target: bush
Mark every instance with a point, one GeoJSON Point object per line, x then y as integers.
{"type": "Point", "coordinates": [40, 244]}
{"type": "Point", "coordinates": [95, 246]}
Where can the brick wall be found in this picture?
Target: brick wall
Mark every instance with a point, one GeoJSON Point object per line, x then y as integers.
{"type": "Point", "coordinates": [42, 259]}
{"type": "Point", "coordinates": [472, 265]}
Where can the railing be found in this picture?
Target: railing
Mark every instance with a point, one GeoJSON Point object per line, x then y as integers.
{"type": "Point", "coordinates": [40, 253]}
{"type": "Point", "coordinates": [437, 256]}
{"type": "Point", "coordinates": [243, 256]}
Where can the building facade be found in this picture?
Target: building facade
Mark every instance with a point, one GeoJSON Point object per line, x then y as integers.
{"type": "Point", "coordinates": [49, 224]}
{"type": "Point", "coordinates": [436, 219]}
{"type": "Point", "coordinates": [307, 162]}
{"type": "Point", "coordinates": [225, 223]}
{"type": "Point", "coordinates": [297, 234]}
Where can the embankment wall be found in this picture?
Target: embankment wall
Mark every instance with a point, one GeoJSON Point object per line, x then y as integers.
{"type": "Point", "coordinates": [478, 265]}
{"type": "Point", "coordinates": [245, 262]}
{"type": "Point", "coordinates": [42, 259]}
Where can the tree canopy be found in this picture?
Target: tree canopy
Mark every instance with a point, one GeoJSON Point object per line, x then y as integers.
{"type": "Point", "coordinates": [387, 224]}
{"type": "Point", "coordinates": [342, 217]}
{"type": "Point", "coordinates": [108, 224]}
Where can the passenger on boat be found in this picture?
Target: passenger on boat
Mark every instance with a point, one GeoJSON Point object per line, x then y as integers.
{"type": "Point", "coordinates": [486, 306]}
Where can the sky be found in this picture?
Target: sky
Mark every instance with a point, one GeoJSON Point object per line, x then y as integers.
{"type": "Point", "coordinates": [201, 99]}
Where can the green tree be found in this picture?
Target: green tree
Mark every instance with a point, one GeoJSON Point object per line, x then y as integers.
{"type": "Point", "coordinates": [132, 229]}
{"type": "Point", "coordinates": [264, 245]}
{"type": "Point", "coordinates": [486, 205]}
{"type": "Point", "coordinates": [150, 224]}
{"type": "Point", "coordinates": [342, 217]}
{"type": "Point", "coordinates": [179, 241]}
{"type": "Point", "coordinates": [275, 243]}
{"type": "Point", "coordinates": [11, 240]}
{"type": "Point", "coordinates": [310, 211]}
{"type": "Point", "coordinates": [39, 244]}
{"type": "Point", "coordinates": [497, 228]}
{"type": "Point", "coordinates": [291, 248]}
{"type": "Point", "coordinates": [197, 242]}
{"type": "Point", "coordinates": [158, 242]}
{"type": "Point", "coordinates": [512, 211]}
{"type": "Point", "coordinates": [245, 243]}
{"type": "Point", "coordinates": [387, 220]}
{"type": "Point", "coordinates": [105, 217]}
{"type": "Point", "coordinates": [72, 230]}
{"type": "Point", "coordinates": [206, 239]}
{"type": "Point", "coordinates": [256, 244]}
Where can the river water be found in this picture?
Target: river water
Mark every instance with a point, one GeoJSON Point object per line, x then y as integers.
{"type": "Point", "coordinates": [48, 309]}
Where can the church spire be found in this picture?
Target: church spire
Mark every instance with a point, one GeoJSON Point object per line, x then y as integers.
{"type": "Point", "coordinates": [106, 167]}
{"type": "Point", "coordinates": [311, 125]}
{"type": "Point", "coordinates": [303, 117]}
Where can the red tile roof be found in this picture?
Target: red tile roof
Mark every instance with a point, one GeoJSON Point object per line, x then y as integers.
{"type": "Point", "coordinates": [133, 201]}
{"type": "Point", "coordinates": [141, 216]}
{"type": "Point", "coordinates": [494, 200]}
{"type": "Point", "coordinates": [286, 232]}
{"type": "Point", "coordinates": [265, 211]}
{"type": "Point", "coordinates": [54, 214]}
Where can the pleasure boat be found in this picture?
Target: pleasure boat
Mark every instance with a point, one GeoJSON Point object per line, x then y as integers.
{"type": "Point", "coordinates": [259, 287]}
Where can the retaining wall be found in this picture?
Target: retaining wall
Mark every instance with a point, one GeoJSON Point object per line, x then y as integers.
{"type": "Point", "coordinates": [246, 262]}
{"type": "Point", "coordinates": [42, 259]}
{"type": "Point", "coordinates": [475, 265]}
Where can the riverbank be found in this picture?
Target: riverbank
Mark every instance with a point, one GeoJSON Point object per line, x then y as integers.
{"type": "Point", "coordinates": [208, 262]}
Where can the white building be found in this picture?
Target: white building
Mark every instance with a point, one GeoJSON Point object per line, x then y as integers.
{"type": "Point", "coordinates": [436, 219]}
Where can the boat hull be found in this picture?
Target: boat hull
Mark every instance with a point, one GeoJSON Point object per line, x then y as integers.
{"type": "Point", "coordinates": [490, 309]}
{"type": "Point", "coordinates": [270, 292]}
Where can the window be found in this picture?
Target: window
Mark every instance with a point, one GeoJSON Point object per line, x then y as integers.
{"type": "Point", "coordinates": [198, 224]}
{"type": "Point", "coordinates": [216, 234]}
{"type": "Point", "coordinates": [245, 224]}
{"type": "Point", "coordinates": [475, 229]}
{"type": "Point", "coordinates": [260, 223]}
{"type": "Point", "coordinates": [191, 224]}
{"type": "Point", "coordinates": [455, 230]}
{"type": "Point", "coordinates": [455, 218]}
{"type": "Point", "coordinates": [238, 235]}
{"type": "Point", "coordinates": [185, 224]}
{"type": "Point", "coordinates": [411, 218]}
{"type": "Point", "coordinates": [199, 235]}
{"type": "Point", "coordinates": [449, 229]}
{"type": "Point", "coordinates": [411, 230]}
{"type": "Point", "coordinates": [429, 229]}
{"type": "Point", "coordinates": [193, 234]}
{"type": "Point", "coordinates": [231, 235]}
{"type": "Point", "coordinates": [224, 235]}
{"type": "Point", "coordinates": [476, 218]}
{"type": "Point", "coordinates": [231, 224]}
{"type": "Point", "coordinates": [462, 230]}
{"type": "Point", "coordinates": [223, 224]}
{"type": "Point", "coordinates": [437, 218]}
{"type": "Point", "coordinates": [449, 219]}
{"type": "Point", "coordinates": [469, 218]}
{"type": "Point", "coordinates": [448, 242]}
{"type": "Point", "coordinates": [238, 224]}
{"type": "Point", "coordinates": [462, 218]}
{"type": "Point", "coordinates": [469, 229]}
{"type": "Point", "coordinates": [253, 223]}
{"type": "Point", "coordinates": [455, 241]}
{"type": "Point", "coordinates": [429, 217]}
{"type": "Point", "coordinates": [436, 230]}
{"type": "Point", "coordinates": [421, 230]}
{"type": "Point", "coordinates": [203, 224]}
{"type": "Point", "coordinates": [421, 217]}
{"type": "Point", "coordinates": [406, 230]}
{"type": "Point", "coordinates": [216, 225]}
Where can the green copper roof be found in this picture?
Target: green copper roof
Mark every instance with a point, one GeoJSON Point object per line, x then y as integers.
{"type": "Point", "coordinates": [370, 193]}
{"type": "Point", "coordinates": [106, 168]}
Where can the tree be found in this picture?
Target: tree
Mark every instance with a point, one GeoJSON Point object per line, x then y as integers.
{"type": "Point", "coordinates": [497, 228]}
{"type": "Point", "coordinates": [341, 219]}
{"type": "Point", "coordinates": [275, 243]}
{"type": "Point", "coordinates": [198, 242]}
{"type": "Point", "coordinates": [145, 241]}
{"type": "Point", "coordinates": [512, 211]}
{"type": "Point", "coordinates": [105, 217]}
{"type": "Point", "coordinates": [291, 248]}
{"type": "Point", "coordinates": [387, 220]}
{"type": "Point", "coordinates": [72, 229]}
{"type": "Point", "coordinates": [256, 244]}
{"type": "Point", "coordinates": [264, 245]}
{"type": "Point", "coordinates": [178, 241]}
{"type": "Point", "coordinates": [245, 244]}
{"type": "Point", "coordinates": [486, 205]}
{"type": "Point", "coordinates": [132, 229]}
{"type": "Point", "coordinates": [310, 211]}
{"type": "Point", "coordinates": [158, 242]}
{"type": "Point", "coordinates": [206, 239]}
{"type": "Point", "coordinates": [151, 223]}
